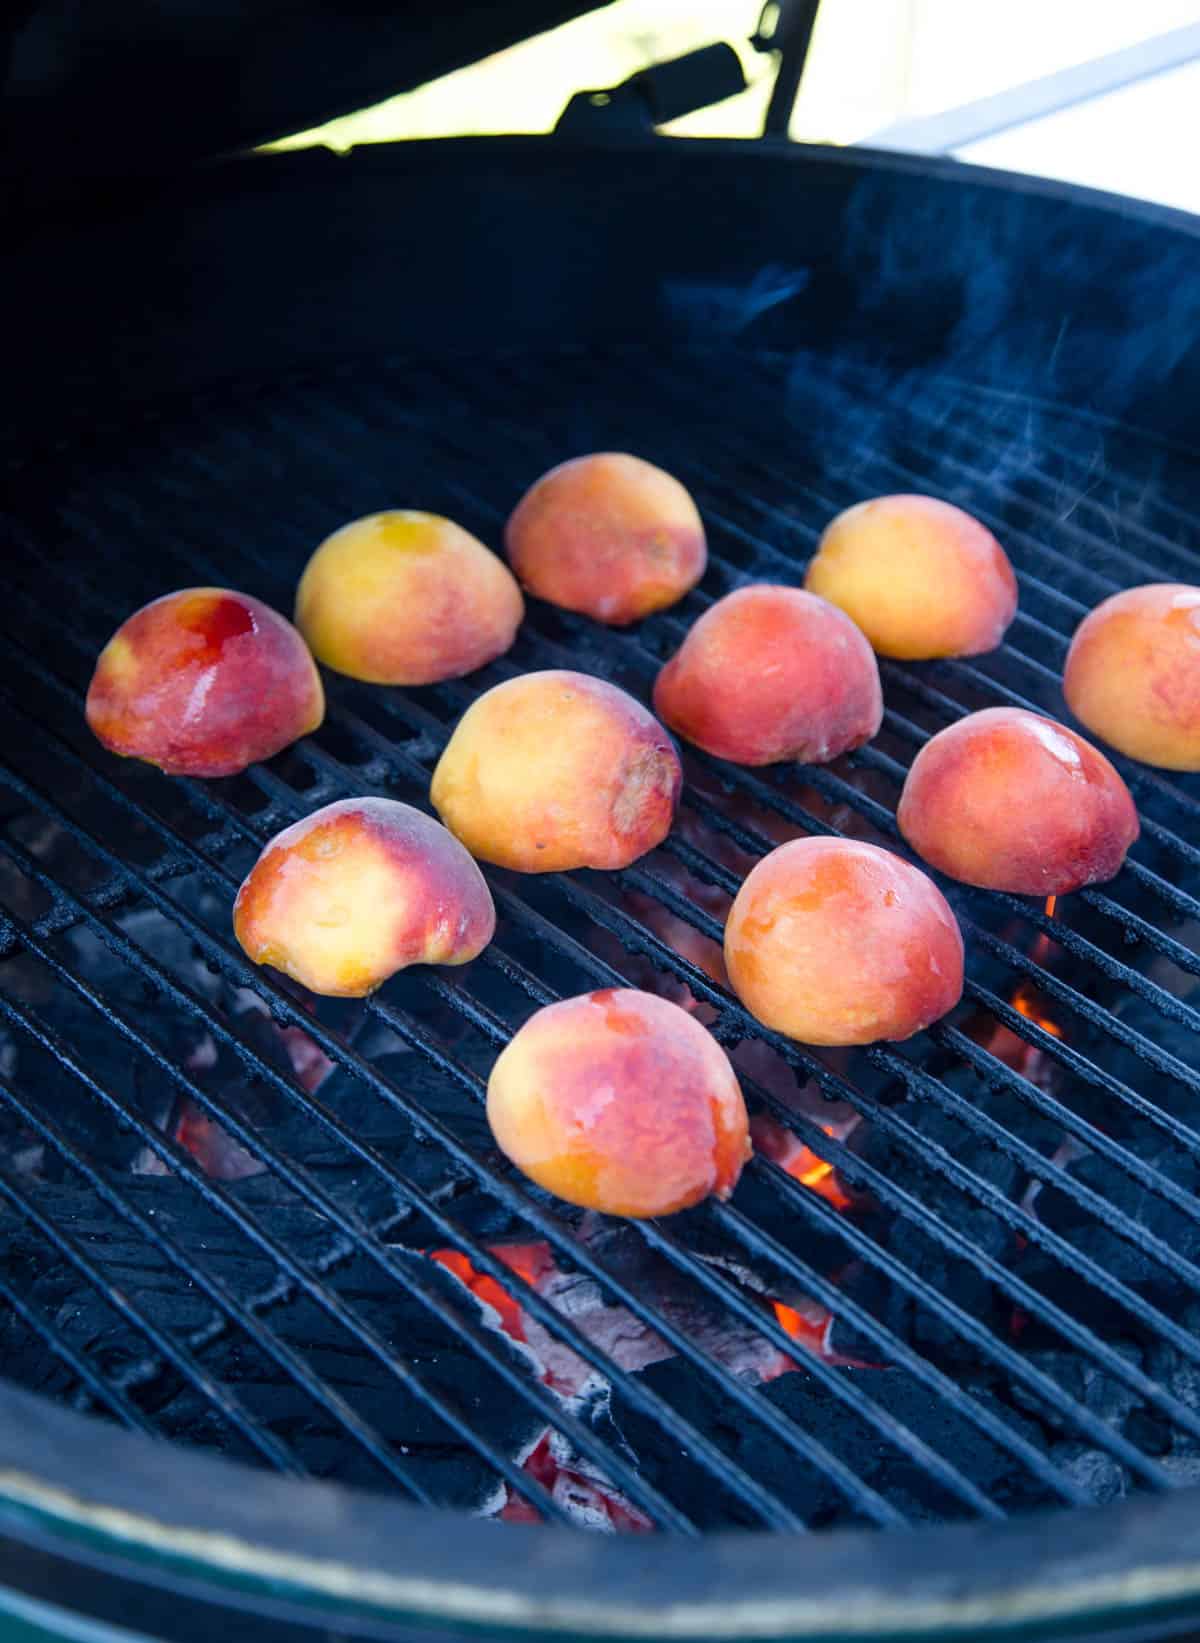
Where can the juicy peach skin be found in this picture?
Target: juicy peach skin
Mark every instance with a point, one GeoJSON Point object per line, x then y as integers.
{"type": "Point", "coordinates": [556, 770]}
{"type": "Point", "coordinates": [608, 535]}
{"type": "Point", "coordinates": [1133, 674]}
{"type": "Point", "coordinates": [919, 576]}
{"type": "Point", "coordinates": [831, 941]}
{"type": "Point", "coordinates": [358, 890]}
{"type": "Point", "coordinates": [772, 673]}
{"type": "Point", "coordinates": [1008, 800]}
{"type": "Point", "coordinates": [620, 1102]}
{"type": "Point", "coordinates": [204, 682]}
{"type": "Point", "coordinates": [406, 598]}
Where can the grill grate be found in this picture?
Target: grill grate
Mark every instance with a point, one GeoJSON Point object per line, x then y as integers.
{"type": "Point", "coordinates": [1014, 1279]}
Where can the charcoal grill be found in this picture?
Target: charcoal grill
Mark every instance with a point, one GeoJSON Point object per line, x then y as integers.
{"type": "Point", "coordinates": [273, 1230]}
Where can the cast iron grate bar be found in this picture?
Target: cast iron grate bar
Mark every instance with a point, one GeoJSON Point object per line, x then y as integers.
{"type": "Point", "coordinates": [1064, 1491]}
{"type": "Point", "coordinates": [665, 895]}
{"type": "Point", "coordinates": [885, 1119]}
{"type": "Point", "coordinates": [778, 477]}
{"type": "Point", "coordinates": [806, 1447]}
{"type": "Point", "coordinates": [1067, 935]}
{"type": "Point", "coordinates": [770, 1512]}
{"type": "Point", "coordinates": [730, 576]}
{"type": "Point", "coordinates": [359, 422]}
{"type": "Point", "coordinates": [180, 1162]}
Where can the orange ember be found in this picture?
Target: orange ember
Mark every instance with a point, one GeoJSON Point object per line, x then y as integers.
{"type": "Point", "coordinates": [1043, 946]}
{"type": "Point", "coordinates": [214, 1149]}
{"type": "Point", "coordinates": [586, 1493]}
{"type": "Point", "coordinates": [782, 1147]}
{"type": "Point", "coordinates": [809, 1330]}
{"type": "Point", "coordinates": [1016, 1052]}
{"type": "Point", "coordinates": [1026, 1001]}
{"type": "Point", "coordinates": [528, 1261]}
{"type": "Point", "coordinates": [819, 1176]}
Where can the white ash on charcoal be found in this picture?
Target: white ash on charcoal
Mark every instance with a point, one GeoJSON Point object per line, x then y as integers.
{"type": "Point", "coordinates": [681, 1300]}
{"type": "Point", "coordinates": [632, 1343]}
{"type": "Point", "coordinates": [584, 1491]}
{"type": "Point", "coordinates": [574, 1480]}
{"type": "Point", "coordinates": [218, 1154]}
{"type": "Point", "coordinates": [621, 1335]}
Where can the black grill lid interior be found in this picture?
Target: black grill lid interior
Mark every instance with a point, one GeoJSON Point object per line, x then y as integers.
{"type": "Point", "coordinates": [93, 89]}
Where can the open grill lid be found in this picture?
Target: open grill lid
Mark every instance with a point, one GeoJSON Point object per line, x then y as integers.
{"type": "Point", "coordinates": [93, 90]}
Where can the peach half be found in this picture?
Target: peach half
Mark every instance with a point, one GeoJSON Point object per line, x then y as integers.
{"type": "Point", "coordinates": [358, 890]}
{"type": "Point", "coordinates": [608, 535]}
{"type": "Point", "coordinates": [772, 673]}
{"type": "Point", "coordinates": [919, 576]}
{"type": "Point", "coordinates": [405, 598]}
{"type": "Point", "coordinates": [204, 682]}
{"type": "Point", "coordinates": [1008, 800]}
{"type": "Point", "coordinates": [556, 770]}
{"type": "Point", "coordinates": [1133, 674]}
{"type": "Point", "coordinates": [831, 941]}
{"type": "Point", "coordinates": [620, 1101]}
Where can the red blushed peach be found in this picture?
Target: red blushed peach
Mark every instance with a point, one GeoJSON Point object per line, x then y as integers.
{"type": "Point", "coordinates": [358, 890]}
{"type": "Point", "coordinates": [919, 576]}
{"type": "Point", "coordinates": [558, 770]}
{"type": "Point", "coordinates": [619, 1101]}
{"type": "Point", "coordinates": [1133, 674]}
{"type": "Point", "coordinates": [405, 598]}
{"type": "Point", "coordinates": [608, 535]}
{"type": "Point", "coordinates": [772, 673]}
{"type": "Point", "coordinates": [204, 682]}
{"type": "Point", "coordinates": [1010, 801]}
{"type": "Point", "coordinates": [834, 942]}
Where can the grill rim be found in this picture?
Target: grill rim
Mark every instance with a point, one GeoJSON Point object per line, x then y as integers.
{"type": "Point", "coordinates": [1163, 1580]}
{"type": "Point", "coordinates": [48, 1503]}
{"type": "Point", "coordinates": [133, 800]}
{"type": "Point", "coordinates": [313, 1553]}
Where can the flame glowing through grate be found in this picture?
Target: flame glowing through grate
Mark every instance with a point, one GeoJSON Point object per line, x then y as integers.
{"type": "Point", "coordinates": [1042, 949]}
{"type": "Point", "coordinates": [819, 1176]}
{"type": "Point", "coordinates": [1026, 1002]}
{"type": "Point", "coordinates": [1026, 999]}
{"type": "Point", "coordinates": [807, 1323]}
{"type": "Point", "coordinates": [590, 1497]}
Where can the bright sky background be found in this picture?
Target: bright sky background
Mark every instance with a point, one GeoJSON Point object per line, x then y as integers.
{"type": "Point", "coordinates": [873, 62]}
